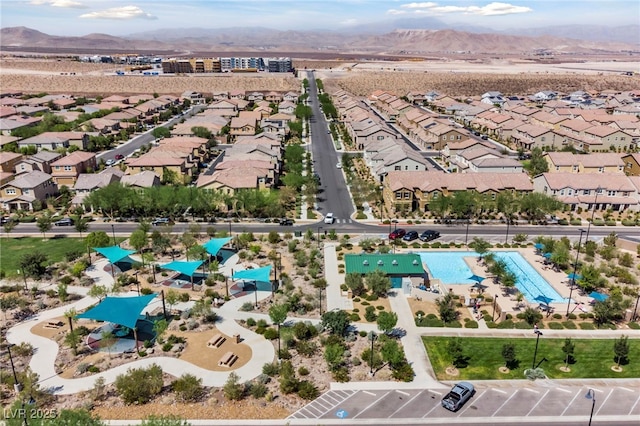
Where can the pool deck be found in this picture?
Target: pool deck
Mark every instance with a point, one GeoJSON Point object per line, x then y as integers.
{"type": "Point", "coordinates": [506, 301]}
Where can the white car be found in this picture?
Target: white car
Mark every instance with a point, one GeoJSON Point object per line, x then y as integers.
{"type": "Point", "coordinates": [339, 165]}
{"type": "Point", "coordinates": [329, 218]}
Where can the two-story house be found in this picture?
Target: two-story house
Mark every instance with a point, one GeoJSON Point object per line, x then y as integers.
{"type": "Point", "coordinates": [24, 190]}
{"type": "Point", "coordinates": [65, 170]}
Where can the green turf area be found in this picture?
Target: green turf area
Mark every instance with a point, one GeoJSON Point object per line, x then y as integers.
{"type": "Point", "coordinates": [56, 249]}
{"type": "Point", "coordinates": [593, 358]}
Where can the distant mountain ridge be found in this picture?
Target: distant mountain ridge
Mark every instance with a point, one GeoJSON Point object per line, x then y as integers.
{"type": "Point", "coordinates": [410, 41]}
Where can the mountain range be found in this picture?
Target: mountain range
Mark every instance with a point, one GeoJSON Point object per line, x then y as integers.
{"type": "Point", "coordinates": [401, 37]}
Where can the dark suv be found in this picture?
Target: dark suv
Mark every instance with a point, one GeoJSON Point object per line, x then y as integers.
{"type": "Point", "coordinates": [285, 222]}
{"type": "Point", "coordinates": [396, 234]}
{"type": "Point", "coordinates": [64, 222]}
{"type": "Point", "coordinates": [429, 235]}
{"type": "Point", "coordinates": [410, 236]}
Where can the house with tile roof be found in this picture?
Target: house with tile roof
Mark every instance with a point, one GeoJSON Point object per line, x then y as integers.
{"type": "Point", "coordinates": [616, 191]}
{"type": "Point", "coordinates": [65, 170]}
{"type": "Point", "coordinates": [631, 164]}
{"type": "Point", "coordinates": [567, 162]}
{"type": "Point", "coordinates": [54, 140]}
{"type": "Point", "coordinates": [27, 188]}
{"type": "Point", "coordinates": [529, 136]}
{"type": "Point", "coordinates": [144, 179]}
{"type": "Point", "coordinates": [413, 191]}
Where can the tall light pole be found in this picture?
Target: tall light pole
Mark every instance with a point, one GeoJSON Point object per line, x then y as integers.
{"type": "Point", "coordinates": [113, 232]}
{"type": "Point", "coordinates": [372, 337]}
{"type": "Point", "coordinates": [493, 314]}
{"type": "Point", "coordinates": [635, 310]}
{"type": "Point", "coordinates": [591, 394]}
{"type": "Point", "coordinates": [595, 205]}
{"type": "Point", "coordinates": [575, 267]}
{"type": "Point", "coordinates": [535, 354]}
{"type": "Point", "coordinates": [16, 386]}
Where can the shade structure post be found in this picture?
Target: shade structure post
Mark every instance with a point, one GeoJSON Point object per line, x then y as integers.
{"type": "Point", "coordinates": [164, 306]}
{"type": "Point", "coordinates": [135, 336]}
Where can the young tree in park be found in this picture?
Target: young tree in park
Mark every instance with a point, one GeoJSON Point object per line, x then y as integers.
{"type": "Point", "coordinates": [73, 339]}
{"type": "Point", "coordinates": [568, 349]}
{"type": "Point", "coordinates": [33, 264]}
{"type": "Point", "coordinates": [386, 321]}
{"type": "Point", "coordinates": [107, 340]}
{"type": "Point", "coordinates": [288, 381]}
{"type": "Point", "coordinates": [531, 316]}
{"type": "Point", "coordinates": [139, 241]}
{"type": "Point", "coordinates": [447, 308]}
{"type": "Point", "coordinates": [278, 314]}
{"type": "Point", "coordinates": [44, 224]}
{"type": "Point", "coordinates": [159, 328]}
{"type": "Point", "coordinates": [188, 388]}
{"type": "Point", "coordinates": [481, 246]}
{"type": "Point", "coordinates": [377, 282]}
{"type": "Point", "coordinates": [355, 283]}
{"type": "Point", "coordinates": [621, 349]}
{"type": "Point", "coordinates": [456, 352]}
{"type": "Point", "coordinates": [171, 297]}
{"type": "Point", "coordinates": [509, 355]}
{"type": "Point", "coordinates": [98, 291]}
{"type": "Point", "coordinates": [233, 389]}
{"type": "Point", "coordinates": [337, 322]}
{"type": "Point", "coordinates": [11, 224]}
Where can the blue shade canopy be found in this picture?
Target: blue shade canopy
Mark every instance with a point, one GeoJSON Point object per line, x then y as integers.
{"type": "Point", "coordinates": [547, 255]}
{"type": "Point", "coordinates": [186, 268]}
{"type": "Point", "coordinates": [214, 245]}
{"type": "Point", "coordinates": [258, 275]}
{"type": "Point", "coordinates": [574, 276]}
{"type": "Point", "coordinates": [538, 246]}
{"type": "Point", "coordinates": [476, 278]}
{"type": "Point", "coordinates": [600, 297]}
{"type": "Point", "coordinates": [114, 253]}
{"type": "Point", "coordinates": [543, 299]}
{"type": "Point", "coordinates": [119, 310]}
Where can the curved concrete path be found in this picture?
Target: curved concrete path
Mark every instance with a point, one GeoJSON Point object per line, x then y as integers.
{"type": "Point", "coordinates": [46, 350]}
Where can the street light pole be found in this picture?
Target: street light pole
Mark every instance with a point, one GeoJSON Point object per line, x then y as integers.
{"type": "Point", "coordinates": [592, 396]}
{"type": "Point", "coordinates": [573, 278]}
{"type": "Point", "coordinates": [320, 300]}
{"type": "Point", "coordinates": [535, 354]}
{"type": "Point", "coordinates": [595, 204]}
{"type": "Point", "coordinates": [16, 385]}
{"type": "Point", "coordinates": [493, 314]}
{"type": "Point", "coordinates": [506, 237]}
{"type": "Point", "coordinates": [113, 232]}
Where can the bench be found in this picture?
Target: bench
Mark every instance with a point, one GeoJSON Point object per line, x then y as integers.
{"type": "Point", "coordinates": [54, 325]}
{"type": "Point", "coordinates": [227, 359]}
{"type": "Point", "coordinates": [216, 340]}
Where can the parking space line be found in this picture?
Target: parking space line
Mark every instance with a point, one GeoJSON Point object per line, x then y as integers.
{"type": "Point", "coordinates": [531, 390]}
{"type": "Point", "coordinates": [605, 401]}
{"type": "Point", "coordinates": [404, 405]}
{"type": "Point", "coordinates": [504, 403]}
{"type": "Point", "coordinates": [469, 405]}
{"type": "Point", "coordinates": [537, 403]}
{"type": "Point", "coordinates": [403, 392]}
{"type": "Point", "coordinates": [563, 390]}
{"type": "Point", "coordinates": [571, 402]}
{"type": "Point", "coordinates": [499, 390]}
{"type": "Point", "coordinates": [627, 389]}
{"type": "Point", "coordinates": [321, 405]}
{"type": "Point", "coordinates": [311, 408]}
{"type": "Point", "coordinates": [300, 413]}
{"type": "Point", "coordinates": [369, 393]}
{"type": "Point", "coordinates": [371, 405]}
{"type": "Point", "coordinates": [633, 407]}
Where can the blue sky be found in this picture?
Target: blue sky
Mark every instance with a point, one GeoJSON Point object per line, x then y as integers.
{"type": "Point", "coordinates": [121, 17]}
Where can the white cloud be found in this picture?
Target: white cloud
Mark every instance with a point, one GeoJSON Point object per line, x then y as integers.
{"type": "Point", "coordinates": [60, 3]}
{"type": "Point", "coordinates": [350, 21]}
{"type": "Point", "coordinates": [396, 12]}
{"type": "Point", "coordinates": [491, 9]}
{"type": "Point", "coordinates": [120, 13]}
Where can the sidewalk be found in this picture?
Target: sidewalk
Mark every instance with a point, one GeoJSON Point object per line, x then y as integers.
{"type": "Point", "coordinates": [335, 299]}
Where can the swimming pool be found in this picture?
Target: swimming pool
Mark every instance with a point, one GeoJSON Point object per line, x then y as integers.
{"type": "Point", "coordinates": [450, 268]}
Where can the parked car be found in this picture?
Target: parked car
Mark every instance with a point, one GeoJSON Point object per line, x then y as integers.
{"type": "Point", "coordinates": [119, 156]}
{"type": "Point", "coordinates": [398, 233]}
{"type": "Point", "coordinates": [160, 221]}
{"type": "Point", "coordinates": [429, 235]}
{"type": "Point", "coordinates": [64, 222]}
{"type": "Point", "coordinates": [410, 236]}
{"type": "Point", "coordinates": [110, 162]}
{"type": "Point", "coordinates": [285, 221]}
{"type": "Point", "coordinates": [339, 165]}
{"type": "Point", "coordinates": [457, 396]}
{"type": "Point", "coordinates": [329, 218]}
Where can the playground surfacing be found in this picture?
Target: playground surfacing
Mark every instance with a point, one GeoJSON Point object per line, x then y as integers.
{"type": "Point", "coordinates": [124, 341]}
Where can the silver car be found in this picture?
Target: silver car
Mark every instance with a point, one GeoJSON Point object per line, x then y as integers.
{"type": "Point", "coordinates": [457, 396]}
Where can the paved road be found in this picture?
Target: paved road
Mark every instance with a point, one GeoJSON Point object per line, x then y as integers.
{"type": "Point", "coordinates": [128, 148]}
{"type": "Point", "coordinates": [335, 197]}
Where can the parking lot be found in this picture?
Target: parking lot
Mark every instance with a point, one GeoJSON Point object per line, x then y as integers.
{"type": "Point", "coordinates": [522, 400]}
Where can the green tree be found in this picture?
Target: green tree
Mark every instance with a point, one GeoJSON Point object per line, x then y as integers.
{"type": "Point", "coordinates": [621, 349]}
{"type": "Point", "coordinates": [531, 316]}
{"type": "Point", "coordinates": [72, 339]}
{"type": "Point", "coordinates": [233, 389]}
{"type": "Point", "coordinates": [98, 239]}
{"type": "Point", "coordinates": [386, 321]}
{"type": "Point", "coordinates": [140, 385]}
{"type": "Point", "coordinates": [201, 132]}
{"type": "Point", "coordinates": [81, 224]}
{"type": "Point", "coordinates": [337, 322]}
{"type": "Point", "coordinates": [278, 315]}
{"type": "Point", "coordinates": [33, 264]}
{"type": "Point", "coordinates": [98, 291]}
{"type": "Point", "coordinates": [171, 297]}
{"type": "Point", "coordinates": [447, 308]}
{"type": "Point", "coordinates": [480, 245]}
{"type": "Point", "coordinates": [63, 294]}
{"type": "Point", "coordinates": [355, 283]}
{"type": "Point", "coordinates": [440, 206]}
{"type": "Point", "coordinates": [591, 278]}
{"type": "Point", "coordinates": [11, 224]}
{"type": "Point", "coordinates": [139, 240]}
{"type": "Point", "coordinates": [560, 255]}
{"type": "Point", "coordinates": [377, 282]}
{"type": "Point", "coordinates": [568, 349]}
{"type": "Point", "coordinates": [509, 355]}
{"type": "Point", "coordinates": [159, 328]}
{"type": "Point", "coordinates": [107, 340]}
{"type": "Point", "coordinates": [537, 164]}
{"type": "Point", "coordinates": [188, 388]}
{"type": "Point", "coordinates": [161, 132]}
{"type": "Point", "coordinates": [456, 352]}
{"type": "Point", "coordinates": [288, 381]}
{"type": "Point", "coordinates": [44, 224]}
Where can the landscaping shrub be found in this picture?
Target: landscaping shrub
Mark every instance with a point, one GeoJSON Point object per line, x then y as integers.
{"type": "Point", "coordinates": [251, 322]}
{"type": "Point", "coordinates": [492, 324]}
{"type": "Point", "coordinates": [557, 316]}
{"type": "Point", "coordinates": [362, 333]}
{"type": "Point", "coordinates": [167, 347]}
{"type": "Point", "coordinates": [140, 385]}
{"type": "Point", "coordinates": [587, 326]}
{"type": "Point", "coordinates": [555, 325]}
{"type": "Point", "coordinates": [570, 325]}
{"type": "Point", "coordinates": [572, 316]}
{"type": "Point", "coordinates": [380, 308]}
{"type": "Point", "coordinates": [370, 314]}
{"type": "Point", "coordinates": [188, 388]}
{"type": "Point", "coordinates": [271, 369]}
{"type": "Point", "coordinates": [429, 322]}
{"type": "Point", "coordinates": [270, 333]}
{"type": "Point", "coordinates": [522, 325]}
{"type": "Point", "coordinates": [634, 326]}
{"type": "Point", "coordinates": [453, 324]}
{"type": "Point", "coordinates": [303, 371]}
{"type": "Point", "coordinates": [506, 324]}
{"type": "Point", "coordinates": [470, 324]}
{"type": "Point", "coordinates": [355, 318]}
{"type": "Point", "coordinates": [258, 390]}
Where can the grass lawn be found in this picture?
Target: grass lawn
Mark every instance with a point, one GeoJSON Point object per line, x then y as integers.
{"type": "Point", "coordinates": [593, 358]}
{"type": "Point", "coordinates": [55, 248]}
